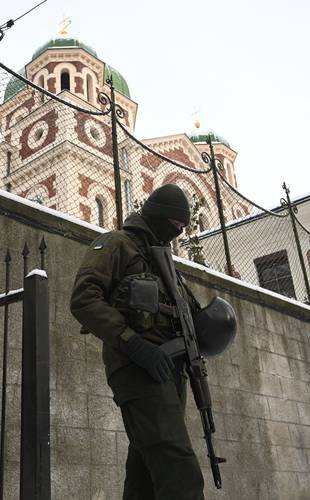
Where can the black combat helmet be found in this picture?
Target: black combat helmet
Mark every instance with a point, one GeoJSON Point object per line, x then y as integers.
{"type": "Point", "coordinates": [215, 326]}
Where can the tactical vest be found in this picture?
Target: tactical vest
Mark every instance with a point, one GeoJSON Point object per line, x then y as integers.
{"type": "Point", "coordinates": [144, 301]}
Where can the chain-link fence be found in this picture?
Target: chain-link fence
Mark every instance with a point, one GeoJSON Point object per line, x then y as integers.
{"type": "Point", "coordinates": [79, 156]}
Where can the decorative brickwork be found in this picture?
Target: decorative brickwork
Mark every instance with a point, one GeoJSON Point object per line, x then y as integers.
{"type": "Point", "coordinates": [176, 177]}
{"type": "Point", "coordinates": [79, 87]}
{"type": "Point", "coordinates": [81, 118]}
{"type": "Point", "coordinates": [112, 192]}
{"type": "Point", "coordinates": [85, 183]}
{"type": "Point", "coordinates": [78, 66]}
{"type": "Point", "coordinates": [49, 183]}
{"type": "Point", "coordinates": [147, 183]}
{"type": "Point", "coordinates": [51, 66]}
{"type": "Point", "coordinates": [51, 85]}
{"type": "Point", "coordinates": [150, 161]}
{"type": "Point", "coordinates": [29, 103]}
{"type": "Point", "coordinates": [50, 118]}
{"type": "Point", "coordinates": [179, 156]}
{"type": "Point", "coordinates": [86, 212]}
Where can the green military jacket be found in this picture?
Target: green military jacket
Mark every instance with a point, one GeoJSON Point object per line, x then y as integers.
{"type": "Point", "coordinates": [99, 298]}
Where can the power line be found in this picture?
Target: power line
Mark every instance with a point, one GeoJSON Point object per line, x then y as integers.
{"type": "Point", "coordinates": [11, 22]}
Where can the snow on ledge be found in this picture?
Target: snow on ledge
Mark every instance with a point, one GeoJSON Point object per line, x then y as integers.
{"type": "Point", "coordinates": [51, 211]}
{"type": "Point", "coordinates": [11, 292]}
{"type": "Point", "coordinates": [75, 220]}
{"type": "Point", "coordinates": [38, 272]}
{"type": "Point", "coordinates": [237, 281]}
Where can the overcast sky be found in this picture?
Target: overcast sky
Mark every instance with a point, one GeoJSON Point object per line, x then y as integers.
{"type": "Point", "coordinates": [244, 64]}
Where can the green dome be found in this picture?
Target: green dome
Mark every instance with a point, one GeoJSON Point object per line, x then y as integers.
{"type": "Point", "coordinates": [64, 42]}
{"type": "Point", "coordinates": [204, 137]}
{"type": "Point", "coordinates": [119, 82]}
{"type": "Point", "coordinates": [14, 85]}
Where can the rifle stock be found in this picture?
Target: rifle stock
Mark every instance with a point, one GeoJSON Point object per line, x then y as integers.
{"type": "Point", "coordinates": [195, 362]}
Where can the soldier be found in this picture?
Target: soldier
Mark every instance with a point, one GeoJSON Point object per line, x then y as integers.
{"type": "Point", "coordinates": [114, 297]}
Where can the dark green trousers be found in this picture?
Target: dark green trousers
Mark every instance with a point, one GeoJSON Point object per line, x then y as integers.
{"type": "Point", "coordinates": [161, 464]}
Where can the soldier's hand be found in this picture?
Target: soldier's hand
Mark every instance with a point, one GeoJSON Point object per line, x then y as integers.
{"type": "Point", "coordinates": [150, 357]}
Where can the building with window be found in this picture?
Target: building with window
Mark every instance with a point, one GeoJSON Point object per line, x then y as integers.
{"type": "Point", "coordinates": [263, 249]}
{"type": "Point", "coordinates": [62, 157]}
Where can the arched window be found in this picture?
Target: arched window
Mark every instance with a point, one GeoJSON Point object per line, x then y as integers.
{"type": "Point", "coordinates": [65, 80]}
{"type": "Point", "coordinates": [8, 162]}
{"type": "Point", "coordinates": [41, 83]}
{"type": "Point", "coordinates": [99, 212]}
{"type": "Point", "coordinates": [128, 196]}
{"type": "Point", "coordinates": [89, 89]}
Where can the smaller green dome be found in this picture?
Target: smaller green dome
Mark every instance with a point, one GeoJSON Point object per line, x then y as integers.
{"type": "Point", "coordinates": [204, 137]}
{"type": "Point", "coordinates": [14, 85]}
{"type": "Point", "coordinates": [64, 43]}
{"type": "Point", "coordinates": [119, 81]}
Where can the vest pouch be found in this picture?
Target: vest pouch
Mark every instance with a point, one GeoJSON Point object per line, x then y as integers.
{"type": "Point", "coordinates": [143, 294]}
{"type": "Point", "coordinates": [136, 297]}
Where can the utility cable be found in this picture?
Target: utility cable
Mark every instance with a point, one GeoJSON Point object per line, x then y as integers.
{"type": "Point", "coordinates": [11, 22]}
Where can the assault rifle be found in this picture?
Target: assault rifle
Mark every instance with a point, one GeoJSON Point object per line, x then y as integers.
{"type": "Point", "coordinates": [195, 362]}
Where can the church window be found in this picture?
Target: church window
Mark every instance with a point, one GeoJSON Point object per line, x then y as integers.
{"type": "Point", "coordinates": [99, 212]}
{"type": "Point", "coordinates": [94, 133]}
{"type": "Point", "coordinates": [274, 273]}
{"type": "Point", "coordinates": [128, 196]}
{"type": "Point", "coordinates": [41, 84]}
{"type": "Point", "coordinates": [8, 162]}
{"type": "Point", "coordinates": [41, 81]}
{"type": "Point", "coordinates": [38, 134]}
{"type": "Point", "coordinates": [65, 80]}
{"type": "Point", "coordinates": [89, 89]}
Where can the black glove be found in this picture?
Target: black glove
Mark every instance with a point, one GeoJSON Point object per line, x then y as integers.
{"type": "Point", "coordinates": [150, 357]}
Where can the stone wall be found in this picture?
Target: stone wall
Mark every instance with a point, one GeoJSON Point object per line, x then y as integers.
{"type": "Point", "coordinates": [260, 388]}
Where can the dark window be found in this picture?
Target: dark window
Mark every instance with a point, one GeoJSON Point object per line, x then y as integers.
{"type": "Point", "coordinates": [65, 80]}
{"type": "Point", "coordinates": [274, 273]}
{"type": "Point", "coordinates": [99, 207]}
{"type": "Point", "coordinates": [89, 89]}
{"type": "Point", "coordinates": [8, 162]}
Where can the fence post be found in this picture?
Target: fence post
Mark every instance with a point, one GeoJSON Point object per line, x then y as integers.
{"type": "Point", "coordinates": [117, 176]}
{"type": "Point", "coordinates": [35, 415]}
{"type": "Point", "coordinates": [220, 208]}
{"type": "Point", "coordinates": [4, 374]}
{"type": "Point", "coordinates": [299, 250]}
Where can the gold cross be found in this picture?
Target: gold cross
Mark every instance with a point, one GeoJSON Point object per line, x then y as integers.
{"type": "Point", "coordinates": [64, 26]}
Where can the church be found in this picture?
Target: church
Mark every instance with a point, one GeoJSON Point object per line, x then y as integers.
{"type": "Point", "coordinates": [61, 155]}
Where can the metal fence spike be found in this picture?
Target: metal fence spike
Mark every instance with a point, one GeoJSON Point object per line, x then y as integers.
{"type": "Point", "coordinates": [8, 257]}
{"type": "Point", "coordinates": [25, 251]}
{"type": "Point", "coordinates": [43, 245]}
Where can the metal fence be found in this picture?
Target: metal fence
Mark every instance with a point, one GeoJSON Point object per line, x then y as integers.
{"type": "Point", "coordinates": [25, 412]}
{"type": "Point", "coordinates": [82, 159]}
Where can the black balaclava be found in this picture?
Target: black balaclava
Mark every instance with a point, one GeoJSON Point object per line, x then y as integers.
{"type": "Point", "coordinates": [166, 202]}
